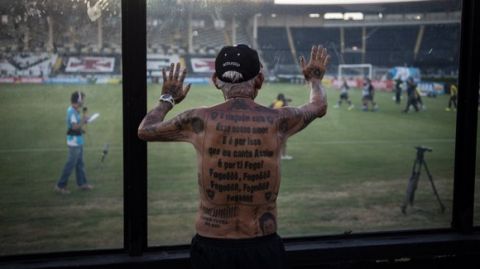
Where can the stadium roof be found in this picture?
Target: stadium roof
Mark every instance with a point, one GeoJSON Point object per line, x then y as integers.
{"type": "Point", "coordinates": [29, 7]}
{"type": "Point", "coordinates": [268, 6]}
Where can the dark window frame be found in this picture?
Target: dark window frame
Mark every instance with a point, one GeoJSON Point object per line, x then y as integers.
{"type": "Point", "coordinates": [460, 241]}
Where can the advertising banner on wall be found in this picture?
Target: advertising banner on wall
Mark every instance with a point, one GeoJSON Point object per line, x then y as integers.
{"type": "Point", "coordinates": [19, 80]}
{"type": "Point", "coordinates": [7, 80]}
{"type": "Point", "coordinates": [380, 85]}
{"type": "Point", "coordinates": [28, 64]}
{"type": "Point", "coordinates": [403, 73]}
{"type": "Point", "coordinates": [203, 65]}
{"type": "Point", "coordinates": [32, 80]}
{"type": "Point", "coordinates": [90, 64]}
{"type": "Point", "coordinates": [155, 63]}
{"type": "Point", "coordinates": [431, 88]}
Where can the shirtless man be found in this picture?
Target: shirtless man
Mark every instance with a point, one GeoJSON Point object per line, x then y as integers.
{"type": "Point", "coordinates": [238, 144]}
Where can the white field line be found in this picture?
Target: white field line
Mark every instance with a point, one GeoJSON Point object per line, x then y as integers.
{"type": "Point", "coordinates": [367, 142]}
{"type": "Point", "coordinates": [330, 142]}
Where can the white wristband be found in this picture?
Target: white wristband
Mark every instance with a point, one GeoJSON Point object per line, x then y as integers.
{"type": "Point", "coordinates": [167, 98]}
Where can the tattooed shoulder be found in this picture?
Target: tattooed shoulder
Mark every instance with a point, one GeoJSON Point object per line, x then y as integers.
{"type": "Point", "coordinates": [190, 120]}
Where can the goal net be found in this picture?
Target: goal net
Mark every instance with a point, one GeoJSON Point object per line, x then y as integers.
{"type": "Point", "coordinates": [355, 71]}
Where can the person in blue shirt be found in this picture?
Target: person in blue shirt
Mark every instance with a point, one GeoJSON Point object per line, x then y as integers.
{"type": "Point", "coordinates": [75, 129]}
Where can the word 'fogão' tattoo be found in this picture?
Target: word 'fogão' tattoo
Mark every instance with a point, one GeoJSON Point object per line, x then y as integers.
{"type": "Point", "coordinates": [220, 212]}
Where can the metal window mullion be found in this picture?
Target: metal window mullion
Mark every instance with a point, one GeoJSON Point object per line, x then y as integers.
{"type": "Point", "coordinates": [466, 132]}
{"type": "Point", "coordinates": [134, 69]}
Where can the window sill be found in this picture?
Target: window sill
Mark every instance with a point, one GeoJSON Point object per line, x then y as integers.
{"type": "Point", "coordinates": [385, 249]}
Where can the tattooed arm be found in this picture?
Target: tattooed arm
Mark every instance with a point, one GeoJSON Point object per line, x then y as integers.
{"type": "Point", "coordinates": [181, 127]}
{"type": "Point", "coordinates": [295, 119]}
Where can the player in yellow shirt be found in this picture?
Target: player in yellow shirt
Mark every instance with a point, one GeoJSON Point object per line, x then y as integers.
{"type": "Point", "coordinates": [419, 99]}
{"type": "Point", "coordinates": [453, 98]}
{"type": "Point", "coordinates": [280, 102]}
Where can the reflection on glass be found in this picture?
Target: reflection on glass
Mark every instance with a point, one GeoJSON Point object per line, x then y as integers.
{"type": "Point", "coordinates": [54, 56]}
{"type": "Point", "coordinates": [350, 170]}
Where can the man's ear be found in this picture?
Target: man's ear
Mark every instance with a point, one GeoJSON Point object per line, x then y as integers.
{"type": "Point", "coordinates": [259, 81]}
{"type": "Point", "coordinates": [214, 80]}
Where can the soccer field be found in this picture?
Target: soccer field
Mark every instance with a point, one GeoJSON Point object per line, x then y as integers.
{"type": "Point", "coordinates": [349, 170]}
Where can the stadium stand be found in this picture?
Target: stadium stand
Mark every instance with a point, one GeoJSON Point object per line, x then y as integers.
{"type": "Point", "coordinates": [273, 44]}
{"type": "Point", "coordinates": [351, 58]}
{"type": "Point", "coordinates": [328, 37]}
{"type": "Point", "coordinates": [391, 46]}
{"type": "Point", "coordinates": [352, 47]}
{"type": "Point", "coordinates": [352, 37]}
{"type": "Point", "coordinates": [242, 36]}
{"type": "Point", "coordinates": [207, 38]}
{"type": "Point", "coordinates": [162, 35]}
{"type": "Point", "coordinates": [434, 48]}
{"type": "Point", "coordinates": [439, 47]}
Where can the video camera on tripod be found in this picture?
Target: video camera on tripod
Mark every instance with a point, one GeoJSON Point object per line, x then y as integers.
{"type": "Point", "coordinates": [423, 149]}
{"type": "Point", "coordinates": [413, 182]}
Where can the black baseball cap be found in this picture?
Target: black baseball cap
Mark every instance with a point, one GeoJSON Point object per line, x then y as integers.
{"type": "Point", "coordinates": [240, 58]}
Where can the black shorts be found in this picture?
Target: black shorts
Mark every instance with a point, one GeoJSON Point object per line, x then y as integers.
{"type": "Point", "coordinates": [344, 96]}
{"type": "Point", "coordinates": [367, 97]}
{"type": "Point", "coordinates": [260, 252]}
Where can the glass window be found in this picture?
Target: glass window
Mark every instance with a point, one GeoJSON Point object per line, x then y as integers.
{"type": "Point", "coordinates": [61, 126]}
{"type": "Point", "coordinates": [476, 213]}
{"type": "Point", "coordinates": [349, 171]}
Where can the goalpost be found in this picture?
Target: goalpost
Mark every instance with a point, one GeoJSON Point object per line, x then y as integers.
{"type": "Point", "coordinates": [355, 70]}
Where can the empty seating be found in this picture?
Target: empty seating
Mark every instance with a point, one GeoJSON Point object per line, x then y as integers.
{"type": "Point", "coordinates": [391, 46]}
{"type": "Point", "coordinates": [440, 46]}
{"type": "Point", "coordinates": [304, 38]}
{"type": "Point", "coordinates": [273, 44]}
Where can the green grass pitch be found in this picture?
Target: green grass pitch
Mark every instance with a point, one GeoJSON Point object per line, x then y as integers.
{"type": "Point", "coordinates": [348, 174]}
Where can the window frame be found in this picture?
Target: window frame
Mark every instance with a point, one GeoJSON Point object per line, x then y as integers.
{"type": "Point", "coordinates": [462, 239]}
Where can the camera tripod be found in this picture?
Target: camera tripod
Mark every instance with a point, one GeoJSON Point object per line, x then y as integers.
{"type": "Point", "coordinates": [413, 182]}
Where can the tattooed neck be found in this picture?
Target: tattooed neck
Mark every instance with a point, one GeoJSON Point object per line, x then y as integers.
{"type": "Point", "coordinates": [240, 93]}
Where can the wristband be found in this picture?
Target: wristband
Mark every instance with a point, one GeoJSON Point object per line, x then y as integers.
{"type": "Point", "coordinates": [167, 98]}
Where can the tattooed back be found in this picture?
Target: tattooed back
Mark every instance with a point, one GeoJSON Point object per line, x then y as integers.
{"type": "Point", "coordinates": [238, 170]}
